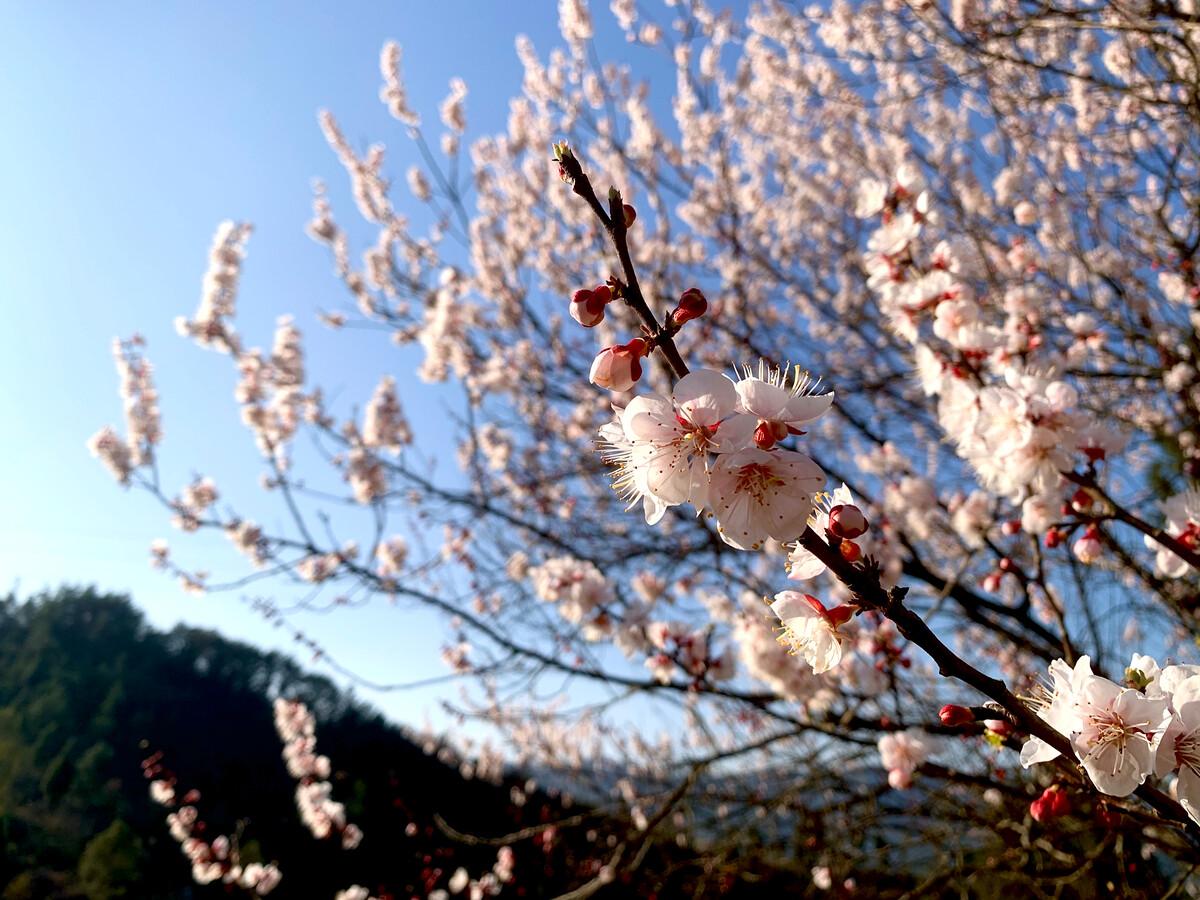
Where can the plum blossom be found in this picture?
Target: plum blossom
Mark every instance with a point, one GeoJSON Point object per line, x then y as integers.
{"type": "Point", "coordinates": [782, 399]}
{"type": "Point", "coordinates": [811, 630]}
{"type": "Point", "coordinates": [619, 367]}
{"type": "Point", "coordinates": [1179, 750]}
{"type": "Point", "coordinates": [1119, 735]}
{"type": "Point", "coordinates": [757, 495]}
{"type": "Point", "coordinates": [663, 449]}
{"type": "Point", "coordinates": [323, 816]}
{"type": "Point", "coordinates": [1182, 514]}
{"type": "Point", "coordinates": [901, 753]}
{"type": "Point", "coordinates": [1114, 731]}
{"type": "Point", "coordinates": [801, 564]}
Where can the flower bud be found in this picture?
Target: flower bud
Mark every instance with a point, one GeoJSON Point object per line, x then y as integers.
{"type": "Point", "coordinates": [850, 551]}
{"type": "Point", "coordinates": [1053, 538]}
{"type": "Point", "coordinates": [630, 214]}
{"type": "Point", "coordinates": [847, 521]}
{"type": "Point", "coordinates": [619, 367]}
{"type": "Point", "coordinates": [1000, 727]}
{"type": "Point", "coordinates": [1088, 548]}
{"type": "Point", "coordinates": [1082, 500]}
{"type": "Point", "coordinates": [692, 305]}
{"type": "Point", "coordinates": [767, 434]}
{"type": "Point", "coordinates": [1052, 804]}
{"type": "Point", "coordinates": [991, 581]}
{"type": "Point", "coordinates": [955, 716]}
{"type": "Point", "coordinates": [587, 308]}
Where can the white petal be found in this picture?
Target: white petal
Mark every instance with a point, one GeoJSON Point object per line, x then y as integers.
{"type": "Point", "coordinates": [705, 397]}
{"type": "Point", "coordinates": [802, 565]}
{"type": "Point", "coordinates": [762, 399]}
{"type": "Point", "coordinates": [805, 409]}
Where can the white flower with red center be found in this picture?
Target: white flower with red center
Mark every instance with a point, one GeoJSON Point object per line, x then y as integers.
{"type": "Point", "coordinates": [782, 399]}
{"type": "Point", "coordinates": [756, 494]}
{"type": "Point", "coordinates": [664, 446]}
{"type": "Point", "coordinates": [1179, 750]}
{"type": "Point", "coordinates": [1120, 734]}
{"type": "Point", "coordinates": [1182, 513]}
{"type": "Point", "coordinates": [811, 630]}
{"type": "Point", "coordinates": [1115, 731]}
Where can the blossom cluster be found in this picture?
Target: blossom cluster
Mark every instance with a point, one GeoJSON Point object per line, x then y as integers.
{"type": "Point", "coordinates": [322, 815]}
{"type": "Point", "coordinates": [714, 443]}
{"type": "Point", "coordinates": [143, 420]}
{"type": "Point", "coordinates": [1124, 733]}
{"type": "Point", "coordinates": [999, 389]}
{"type": "Point", "coordinates": [212, 860]}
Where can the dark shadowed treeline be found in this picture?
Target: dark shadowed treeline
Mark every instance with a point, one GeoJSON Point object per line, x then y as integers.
{"type": "Point", "coordinates": [87, 690]}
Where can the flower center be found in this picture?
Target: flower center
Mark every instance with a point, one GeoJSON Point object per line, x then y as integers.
{"type": "Point", "coordinates": [756, 479]}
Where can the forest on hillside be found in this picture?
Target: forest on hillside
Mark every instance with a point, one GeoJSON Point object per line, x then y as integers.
{"type": "Point", "coordinates": [87, 691]}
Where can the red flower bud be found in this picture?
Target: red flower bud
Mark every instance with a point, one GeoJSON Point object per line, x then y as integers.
{"type": "Point", "coordinates": [619, 367]}
{"type": "Point", "coordinates": [1052, 804]}
{"type": "Point", "coordinates": [850, 551]}
{"type": "Point", "coordinates": [847, 521]}
{"type": "Point", "coordinates": [1082, 500]}
{"type": "Point", "coordinates": [602, 293]}
{"type": "Point", "coordinates": [768, 434]}
{"type": "Point", "coordinates": [955, 716]}
{"type": "Point", "coordinates": [1001, 727]}
{"type": "Point", "coordinates": [1107, 816]}
{"type": "Point", "coordinates": [587, 308]}
{"type": "Point", "coordinates": [692, 305]}
{"type": "Point", "coordinates": [630, 214]}
{"type": "Point", "coordinates": [1053, 538]}
{"type": "Point", "coordinates": [1011, 527]}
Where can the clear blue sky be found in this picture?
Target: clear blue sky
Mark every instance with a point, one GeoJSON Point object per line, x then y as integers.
{"type": "Point", "coordinates": [131, 130]}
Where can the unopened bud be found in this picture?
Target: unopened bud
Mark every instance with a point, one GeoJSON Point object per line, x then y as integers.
{"type": "Point", "coordinates": [847, 521]}
{"type": "Point", "coordinates": [692, 305]}
{"type": "Point", "coordinates": [1082, 500]}
{"type": "Point", "coordinates": [850, 551]}
{"type": "Point", "coordinates": [1088, 548]}
{"type": "Point", "coordinates": [1053, 538]}
{"type": "Point", "coordinates": [630, 214]}
{"type": "Point", "coordinates": [768, 434]}
{"type": "Point", "coordinates": [1052, 804]}
{"type": "Point", "coordinates": [955, 716]}
{"type": "Point", "coordinates": [618, 368]}
{"type": "Point", "coordinates": [1001, 727]}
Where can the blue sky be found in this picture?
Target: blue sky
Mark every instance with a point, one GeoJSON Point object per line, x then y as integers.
{"type": "Point", "coordinates": [131, 131]}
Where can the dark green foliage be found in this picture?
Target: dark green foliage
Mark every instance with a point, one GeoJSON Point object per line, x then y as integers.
{"type": "Point", "coordinates": [87, 691]}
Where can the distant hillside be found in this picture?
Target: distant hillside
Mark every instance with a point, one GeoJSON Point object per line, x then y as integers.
{"type": "Point", "coordinates": [87, 690]}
